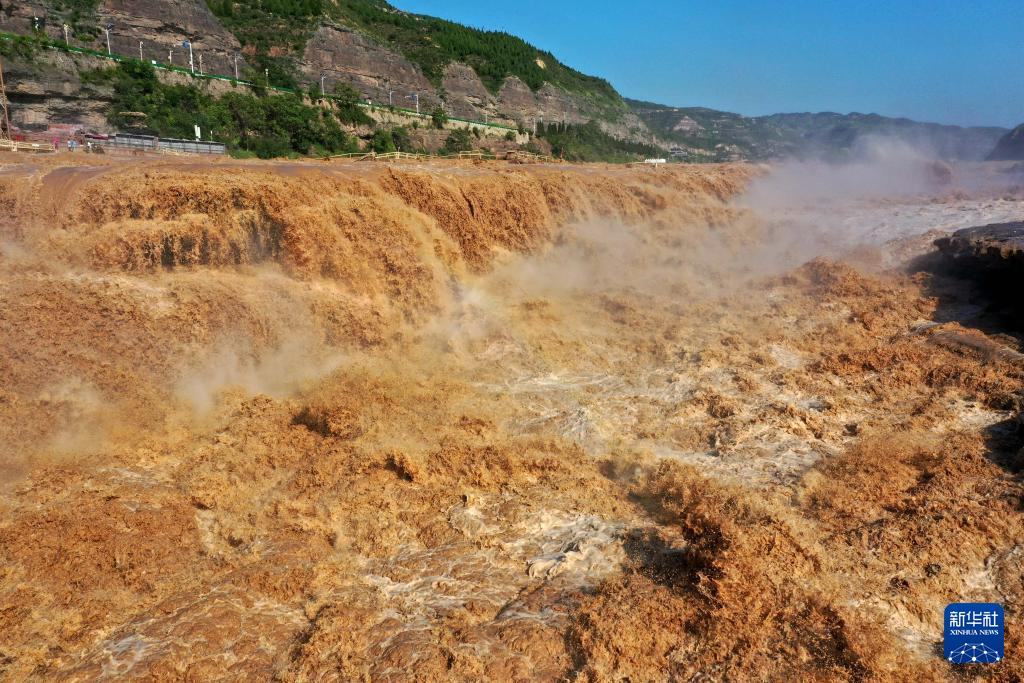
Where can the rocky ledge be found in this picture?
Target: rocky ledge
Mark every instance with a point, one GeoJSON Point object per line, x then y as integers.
{"type": "Point", "coordinates": [992, 256]}
{"type": "Point", "coordinates": [996, 246]}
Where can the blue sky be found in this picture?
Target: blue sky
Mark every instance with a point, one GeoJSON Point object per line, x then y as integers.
{"type": "Point", "coordinates": [950, 61]}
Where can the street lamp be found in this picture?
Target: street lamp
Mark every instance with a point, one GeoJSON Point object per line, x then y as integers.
{"type": "Point", "coordinates": [140, 51]}
{"type": "Point", "coordinates": [191, 61]}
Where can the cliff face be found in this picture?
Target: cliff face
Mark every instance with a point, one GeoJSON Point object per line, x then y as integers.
{"type": "Point", "coordinates": [163, 25]}
{"type": "Point", "coordinates": [1010, 147]}
{"type": "Point", "coordinates": [160, 25]}
{"type": "Point", "coordinates": [347, 56]}
{"type": "Point", "coordinates": [339, 52]}
{"type": "Point", "coordinates": [48, 90]}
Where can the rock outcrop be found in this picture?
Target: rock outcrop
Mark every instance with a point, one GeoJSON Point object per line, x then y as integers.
{"type": "Point", "coordinates": [163, 25]}
{"type": "Point", "coordinates": [347, 56]}
{"type": "Point", "coordinates": [1000, 245]}
{"type": "Point", "coordinates": [157, 29]}
{"type": "Point", "coordinates": [48, 90]}
{"type": "Point", "coordinates": [1010, 147]}
{"type": "Point", "coordinates": [992, 255]}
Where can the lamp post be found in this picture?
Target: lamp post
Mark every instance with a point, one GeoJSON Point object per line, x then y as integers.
{"type": "Point", "coordinates": [191, 61]}
{"type": "Point", "coordinates": [140, 51]}
{"type": "Point", "coordinates": [170, 55]}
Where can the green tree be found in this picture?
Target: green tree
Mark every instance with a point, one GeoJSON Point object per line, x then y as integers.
{"type": "Point", "coordinates": [348, 110]}
{"type": "Point", "coordinates": [402, 139]}
{"type": "Point", "coordinates": [438, 118]}
{"type": "Point", "coordinates": [266, 124]}
{"type": "Point", "coordinates": [382, 142]}
{"type": "Point", "coordinates": [458, 141]}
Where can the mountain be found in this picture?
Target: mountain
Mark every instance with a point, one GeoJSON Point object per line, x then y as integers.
{"type": "Point", "coordinates": [374, 51]}
{"type": "Point", "coordinates": [385, 54]}
{"type": "Point", "coordinates": [700, 134]}
{"type": "Point", "coordinates": [1010, 147]}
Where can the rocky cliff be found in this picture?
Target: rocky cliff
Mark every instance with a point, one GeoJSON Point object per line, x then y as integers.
{"type": "Point", "coordinates": [48, 90]}
{"type": "Point", "coordinates": [161, 26]}
{"type": "Point", "coordinates": [1010, 147]}
{"type": "Point", "coordinates": [341, 53]}
{"type": "Point", "coordinates": [992, 256]}
{"type": "Point", "coordinates": [345, 55]}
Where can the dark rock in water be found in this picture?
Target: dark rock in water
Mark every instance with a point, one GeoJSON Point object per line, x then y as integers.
{"type": "Point", "coordinates": [997, 245]}
{"type": "Point", "coordinates": [993, 256]}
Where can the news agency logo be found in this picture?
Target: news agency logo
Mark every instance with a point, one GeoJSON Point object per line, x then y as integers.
{"type": "Point", "coordinates": [974, 633]}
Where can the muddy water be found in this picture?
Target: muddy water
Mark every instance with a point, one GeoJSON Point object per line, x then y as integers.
{"type": "Point", "coordinates": [485, 424]}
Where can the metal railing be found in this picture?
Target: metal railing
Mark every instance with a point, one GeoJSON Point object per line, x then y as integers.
{"type": "Point", "coordinates": [151, 143]}
{"type": "Point", "coordinates": [192, 146]}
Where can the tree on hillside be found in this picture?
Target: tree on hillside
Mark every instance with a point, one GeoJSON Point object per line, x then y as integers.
{"type": "Point", "coordinates": [458, 141]}
{"type": "Point", "coordinates": [439, 118]}
{"type": "Point", "coordinates": [382, 142]}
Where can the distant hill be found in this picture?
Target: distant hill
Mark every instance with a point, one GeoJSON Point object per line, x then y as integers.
{"type": "Point", "coordinates": [1010, 147]}
{"type": "Point", "coordinates": [701, 134]}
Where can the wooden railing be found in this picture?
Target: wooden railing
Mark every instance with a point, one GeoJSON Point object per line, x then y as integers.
{"type": "Point", "coordinates": [517, 156]}
{"type": "Point", "coordinates": [25, 146]}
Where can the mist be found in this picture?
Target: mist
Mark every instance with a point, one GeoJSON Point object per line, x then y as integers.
{"type": "Point", "coordinates": [232, 365]}
{"type": "Point", "coordinates": [878, 167]}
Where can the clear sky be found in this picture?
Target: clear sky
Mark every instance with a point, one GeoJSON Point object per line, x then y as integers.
{"type": "Point", "coordinates": [950, 61]}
